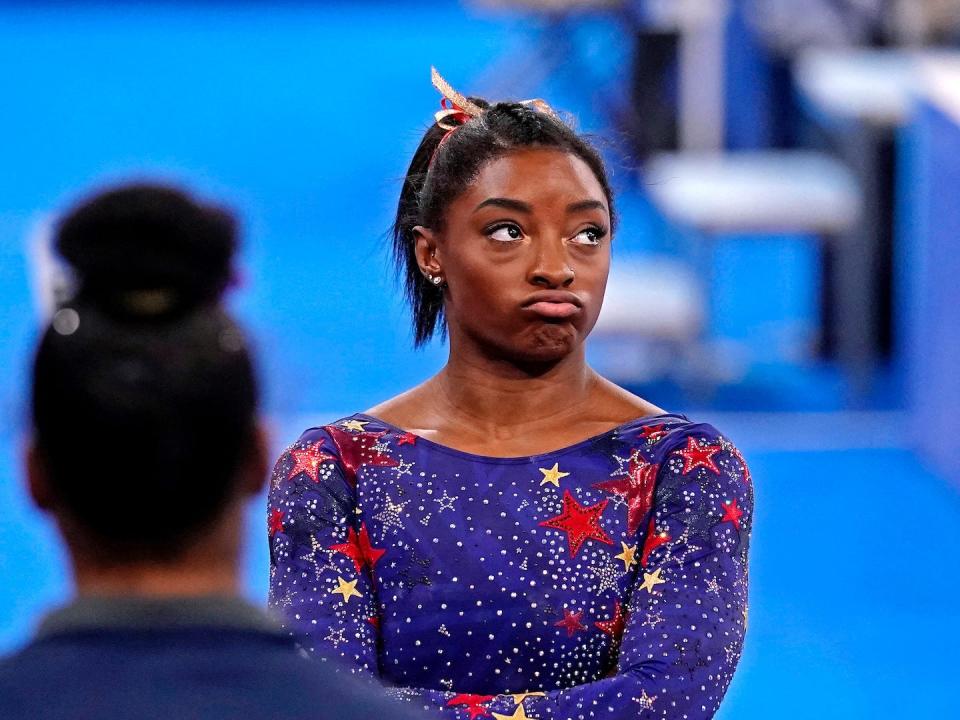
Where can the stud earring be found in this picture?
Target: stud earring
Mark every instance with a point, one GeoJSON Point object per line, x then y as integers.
{"type": "Point", "coordinates": [436, 280]}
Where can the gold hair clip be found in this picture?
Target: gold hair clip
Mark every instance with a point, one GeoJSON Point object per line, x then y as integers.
{"type": "Point", "coordinates": [462, 108]}
{"type": "Point", "coordinates": [461, 105]}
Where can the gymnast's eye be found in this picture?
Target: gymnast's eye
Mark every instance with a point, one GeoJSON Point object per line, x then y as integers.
{"type": "Point", "coordinates": [505, 232]}
{"type": "Point", "coordinates": [589, 236]}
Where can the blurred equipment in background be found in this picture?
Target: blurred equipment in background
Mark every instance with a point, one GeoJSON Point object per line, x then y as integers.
{"type": "Point", "coordinates": [652, 321]}
{"type": "Point", "coordinates": [852, 86]}
{"type": "Point", "coordinates": [920, 22]}
{"type": "Point", "coordinates": [678, 55]}
{"type": "Point", "coordinates": [790, 26]}
{"type": "Point", "coordinates": [852, 102]}
{"type": "Point", "coordinates": [767, 196]}
{"type": "Point", "coordinates": [929, 264]}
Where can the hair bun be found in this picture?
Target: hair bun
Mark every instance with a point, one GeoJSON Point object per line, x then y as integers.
{"type": "Point", "coordinates": [148, 249]}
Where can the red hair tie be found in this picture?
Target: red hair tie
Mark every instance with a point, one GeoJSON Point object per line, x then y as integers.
{"type": "Point", "coordinates": [444, 116]}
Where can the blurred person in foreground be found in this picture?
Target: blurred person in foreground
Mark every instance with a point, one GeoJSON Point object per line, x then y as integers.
{"type": "Point", "coordinates": [517, 537]}
{"type": "Point", "coordinates": [146, 446]}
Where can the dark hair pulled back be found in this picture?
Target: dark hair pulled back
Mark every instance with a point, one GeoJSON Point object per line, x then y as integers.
{"type": "Point", "coordinates": [446, 162]}
{"type": "Point", "coordinates": [144, 395]}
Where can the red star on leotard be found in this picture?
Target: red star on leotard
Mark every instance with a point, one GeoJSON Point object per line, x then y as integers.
{"type": "Point", "coordinates": [407, 438]}
{"type": "Point", "coordinates": [308, 460]}
{"type": "Point", "coordinates": [472, 703]}
{"type": "Point", "coordinates": [359, 549]}
{"type": "Point", "coordinates": [652, 542]}
{"type": "Point", "coordinates": [375, 621]}
{"type": "Point", "coordinates": [652, 433]}
{"type": "Point", "coordinates": [275, 524]}
{"type": "Point", "coordinates": [614, 626]}
{"type": "Point", "coordinates": [636, 488]}
{"type": "Point", "coordinates": [571, 621]}
{"type": "Point", "coordinates": [732, 513]}
{"type": "Point", "coordinates": [579, 522]}
{"type": "Point", "coordinates": [696, 455]}
{"type": "Point", "coordinates": [356, 449]}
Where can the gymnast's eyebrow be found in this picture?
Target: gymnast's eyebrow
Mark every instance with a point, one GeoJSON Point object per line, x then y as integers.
{"type": "Point", "coordinates": [507, 203]}
{"type": "Point", "coordinates": [586, 205]}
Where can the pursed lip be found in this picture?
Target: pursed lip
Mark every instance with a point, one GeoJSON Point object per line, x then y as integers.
{"type": "Point", "coordinates": [554, 303]}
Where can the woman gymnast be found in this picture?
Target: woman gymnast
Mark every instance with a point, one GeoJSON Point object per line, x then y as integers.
{"type": "Point", "coordinates": [517, 536]}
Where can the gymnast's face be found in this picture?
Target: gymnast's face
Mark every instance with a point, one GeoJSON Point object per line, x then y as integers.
{"type": "Point", "coordinates": [525, 253]}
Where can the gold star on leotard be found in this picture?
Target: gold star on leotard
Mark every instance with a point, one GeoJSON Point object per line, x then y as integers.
{"type": "Point", "coordinates": [651, 580]}
{"type": "Point", "coordinates": [627, 555]}
{"type": "Point", "coordinates": [355, 425]}
{"type": "Point", "coordinates": [552, 475]}
{"type": "Point", "coordinates": [347, 589]}
{"type": "Point", "coordinates": [518, 714]}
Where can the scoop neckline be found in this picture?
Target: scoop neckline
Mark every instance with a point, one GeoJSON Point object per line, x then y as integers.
{"type": "Point", "coordinates": [517, 459]}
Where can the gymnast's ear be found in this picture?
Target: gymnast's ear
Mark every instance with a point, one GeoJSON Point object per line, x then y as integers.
{"type": "Point", "coordinates": [38, 479]}
{"type": "Point", "coordinates": [425, 241]}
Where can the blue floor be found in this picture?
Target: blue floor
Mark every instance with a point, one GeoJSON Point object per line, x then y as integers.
{"type": "Point", "coordinates": [853, 589]}
{"type": "Point", "coordinates": [304, 117]}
